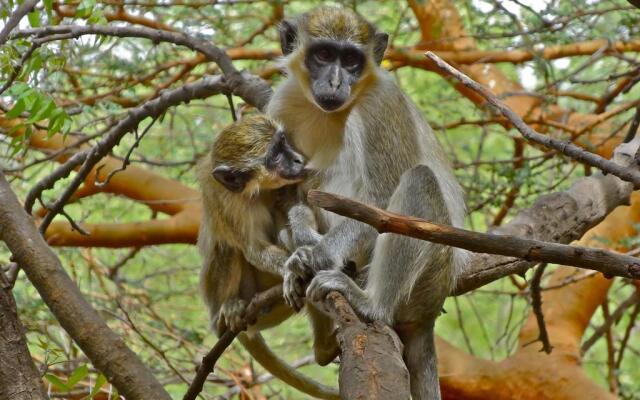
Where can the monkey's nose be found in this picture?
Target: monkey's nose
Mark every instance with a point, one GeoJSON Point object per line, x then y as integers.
{"type": "Point", "coordinates": [298, 160]}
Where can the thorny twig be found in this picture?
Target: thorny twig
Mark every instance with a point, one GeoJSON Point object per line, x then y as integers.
{"type": "Point", "coordinates": [536, 304]}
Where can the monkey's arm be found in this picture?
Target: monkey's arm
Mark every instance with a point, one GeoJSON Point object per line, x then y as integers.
{"type": "Point", "coordinates": [220, 276]}
{"type": "Point", "coordinates": [303, 226]}
{"type": "Point", "coordinates": [266, 256]}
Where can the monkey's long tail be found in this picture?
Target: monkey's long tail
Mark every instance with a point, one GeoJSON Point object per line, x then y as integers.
{"type": "Point", "coordinates": [260, 351]}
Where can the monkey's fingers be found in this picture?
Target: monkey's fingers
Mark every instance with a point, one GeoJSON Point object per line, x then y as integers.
{"type": "Point", "coordinates": [289, 292]}
{"type": "Point", "coordinates": [325, 282]}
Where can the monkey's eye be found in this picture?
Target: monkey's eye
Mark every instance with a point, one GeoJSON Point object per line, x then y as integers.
{"type": "Point", "coordinates": [230, 178]}
{"type": "Point", "coordinates": [350, 60]}
{"type": "Point", "coordinates": [324, 55]}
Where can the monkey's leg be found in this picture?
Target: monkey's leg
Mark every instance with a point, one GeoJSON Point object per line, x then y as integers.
{"type": "Point", "coordinates": [422, 363]}
{"type": "Point", "coordinates": [409, 278]}
{"type": "Point", "coordinates": [325, 343]}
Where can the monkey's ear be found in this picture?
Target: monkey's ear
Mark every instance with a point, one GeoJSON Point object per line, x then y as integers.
{"type": "Point", "coordinates": [380, 41]}
{"type": "Point", "coordinates": [232, 179]}
{"type": "Point", "coordinates": [288, 36]}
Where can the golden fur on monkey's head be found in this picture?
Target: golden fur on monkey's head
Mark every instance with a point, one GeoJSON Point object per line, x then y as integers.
{"type": "Point", "coordinates": [245, 142]}
{"type": "Point", "coordinates": [337, 24]}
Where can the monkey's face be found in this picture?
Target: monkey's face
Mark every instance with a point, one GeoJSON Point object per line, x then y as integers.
{"type": "Point", "coordinates": [282, 162]}
{"type": "Point", "coordinates": [334, 68]}
{"type": "Point", "coordinates": [253, 155]}
{"type": "Point", "coordinates": [333, 54]}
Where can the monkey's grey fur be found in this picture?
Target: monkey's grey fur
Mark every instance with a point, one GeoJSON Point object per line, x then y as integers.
{"type": "Point", "coordinates": [361, 151]}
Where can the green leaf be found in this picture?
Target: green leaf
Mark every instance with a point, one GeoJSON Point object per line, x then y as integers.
{"type": "Point", "coordinates": [56, 121]}
{"type": "Point", "coordinates": [48, 5]}
{"type": "Point", "coordinates": [18, 88]}
{"type": "Point", "coordinates": [85, 8]}
{"type": "Point", "coordinates": [46, 107]}
{"type": "Point", "coordinates": [57, 382]}
{"type": "Point", "coordinates": [34, 19]}
{"type": "Point", "coordinates": [99, 384]}
{"type": "Point", "coordinates": [17, 109]}
{"type": "Point", "coordinates": [77, 375]}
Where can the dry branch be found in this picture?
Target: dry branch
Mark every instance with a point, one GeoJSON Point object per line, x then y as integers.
{"type": "Point", "coordinates": [567, 148]}
{"type": "Point", "coordinates": [371, 365]}
{"type": "Point", "coordinates": [607, 262]}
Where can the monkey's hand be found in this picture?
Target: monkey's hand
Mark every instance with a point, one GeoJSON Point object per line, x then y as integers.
{"type": "Point", "coordinates": [301, 266]}
{"type": "Point", "coordinates": [293, 290]}
{"type": "Point", "coordinates": [297, 273]}
{"type": "Point", "coordinates": [232, 316]}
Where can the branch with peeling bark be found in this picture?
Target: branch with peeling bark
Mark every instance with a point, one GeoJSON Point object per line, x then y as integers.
{"type": "Point", "coordinates": [371, 365]}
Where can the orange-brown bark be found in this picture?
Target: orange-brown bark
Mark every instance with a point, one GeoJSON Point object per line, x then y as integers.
{"type": "Point", "coordinates": [527, 374]}
{"type": "Point", "coordinates": [163, 195]}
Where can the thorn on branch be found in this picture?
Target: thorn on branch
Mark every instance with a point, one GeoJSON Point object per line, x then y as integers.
{"type": "Point", "coordinates": [536, 304]}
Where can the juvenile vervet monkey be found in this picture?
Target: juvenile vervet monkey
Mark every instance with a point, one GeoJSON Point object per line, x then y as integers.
{"type": "Point", "coordinates": [362, 133]}
{"type": "Point", "coordinates": [245, 202]}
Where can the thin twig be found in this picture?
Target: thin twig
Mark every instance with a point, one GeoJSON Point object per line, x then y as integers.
{"type": "Point", "coordinates": [615, 316]}
{"type": "Point", "coordinates": [260, 301]}
{"type": "Point", "coordinates": [536, 304]}
{"type": "Point", "coordinates": [126, 161]}
{"type": "Point", "coordinates": [567, 148]}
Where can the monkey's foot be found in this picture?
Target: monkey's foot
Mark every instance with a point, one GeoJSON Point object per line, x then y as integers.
{"type": "Point", "coordinates": [328, 281]}
{"type": "Point", "coordinates": [232, 315]}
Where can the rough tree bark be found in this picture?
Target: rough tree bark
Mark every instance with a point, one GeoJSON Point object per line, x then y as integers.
{"type": "Point", "coordinates": [19, 377]}
{"type": "Point", "coordinates": [103, 347]}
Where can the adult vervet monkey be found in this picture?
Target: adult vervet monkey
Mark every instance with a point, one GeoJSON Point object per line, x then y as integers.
{"type": "Point", "coordinates": [246, 204]}
{"type": "Point", "coordinates": [362, 133]}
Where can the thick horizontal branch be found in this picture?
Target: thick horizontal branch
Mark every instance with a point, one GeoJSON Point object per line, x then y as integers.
{"type": "Point", "coordinates": [567, 148]}
{"type": "Point", "coordinates": [609, 263]}
{"type": "Point", "coordinates": [415, 58]}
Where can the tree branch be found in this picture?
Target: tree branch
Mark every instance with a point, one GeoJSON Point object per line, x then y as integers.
{"type": "Point", "coordinates": [19, 377]}
{"type": "Point", "coordinates": [607, 262]}
{"type": "Point", "coordinates": [15, 18]}
{"type": "Point", "coordinates": [567, 148]}
{"type": "Point", "coordinates": [104, 348]}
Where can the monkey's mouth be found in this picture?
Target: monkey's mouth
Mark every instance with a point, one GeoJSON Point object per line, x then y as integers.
{"type": "Point", "coordinates": [329, 103]}
{"type": "Point", "coordinates": [296, 176]}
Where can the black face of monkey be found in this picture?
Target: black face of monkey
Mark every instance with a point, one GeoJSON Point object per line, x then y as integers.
{"type": "Point", "coordinates": [283, 160]}
{"type": "Point", "coordinates": [333, 68]}
{"type": "Point", "coordinates": [338, 48]}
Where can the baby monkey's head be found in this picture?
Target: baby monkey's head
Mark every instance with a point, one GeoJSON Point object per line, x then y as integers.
{"type": "Point", "coordinates": [253, 154]}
